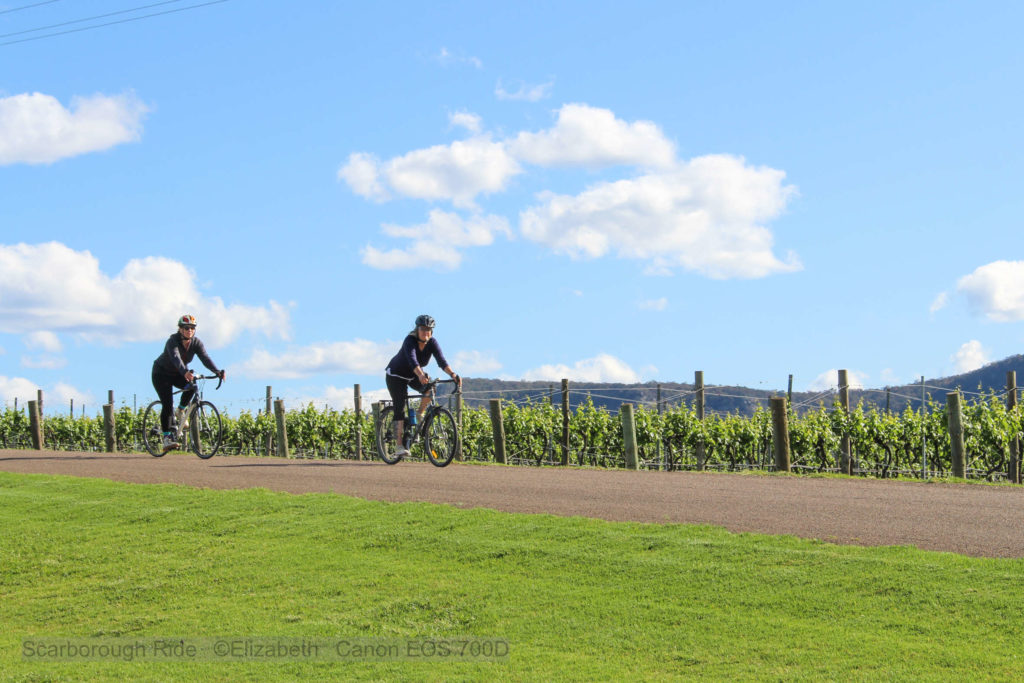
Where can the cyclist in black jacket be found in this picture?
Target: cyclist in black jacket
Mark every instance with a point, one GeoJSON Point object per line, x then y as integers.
{"type": "Point", "coordinates": [170, 370]}
{"type": "Point", "coordinates": [405, 370]}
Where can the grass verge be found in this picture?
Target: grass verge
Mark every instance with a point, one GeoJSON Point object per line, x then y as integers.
{"type": "Point", "coordinates": [575, 599]}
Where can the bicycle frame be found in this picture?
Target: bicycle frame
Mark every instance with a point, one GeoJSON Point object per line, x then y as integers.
{"type": "Point", "coordinates": [196, 386]}
{"type": "Point", "coordinates": [431, 392]}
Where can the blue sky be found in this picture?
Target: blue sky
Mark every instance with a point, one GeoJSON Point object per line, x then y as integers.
{"type": "Point", "coordinates": [593, 190]}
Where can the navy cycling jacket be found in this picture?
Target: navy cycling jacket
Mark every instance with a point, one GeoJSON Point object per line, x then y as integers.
{"type": "Point", "coordinates": [176, 357]}
{"type": "Point", "coordinates": [410, 357]}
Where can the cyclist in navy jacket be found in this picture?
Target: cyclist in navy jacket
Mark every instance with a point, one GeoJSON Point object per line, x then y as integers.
{"type": "Point", "coordinates": [170, 370]}
{"type": "Point", "coordinates": [406, 370]}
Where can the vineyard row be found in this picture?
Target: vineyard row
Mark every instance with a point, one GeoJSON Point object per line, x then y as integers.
{"type": "Point", "coordinates": [909, 443]}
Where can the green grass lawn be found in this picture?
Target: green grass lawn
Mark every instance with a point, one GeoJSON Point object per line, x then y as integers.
{"type": "Point", "coordinates": [576, 599]}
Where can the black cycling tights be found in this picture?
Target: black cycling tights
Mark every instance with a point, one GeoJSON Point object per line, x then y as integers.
{"type": "Point", "coordinates": [165, 383]}
{"type": "Point", "coordinates": [399, 390]}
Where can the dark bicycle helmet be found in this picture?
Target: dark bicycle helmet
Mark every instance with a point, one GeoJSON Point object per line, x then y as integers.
{"type": "Point", "coordinates": [187, 321]}
{"type": "Point", "coordinates": [424, 321]}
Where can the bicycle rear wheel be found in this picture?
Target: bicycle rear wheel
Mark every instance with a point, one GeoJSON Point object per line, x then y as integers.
{"type": "Point", "coordinates": [152, 434]}
{"type": "Point", "coordinates": [386, 436]}
{"type": "Point", "coordinates": [205, 430]}
{"type": "Point", "coordinates": [441, 437]}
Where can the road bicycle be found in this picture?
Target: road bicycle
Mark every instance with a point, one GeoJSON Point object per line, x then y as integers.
{"type": "Point", "coordinates": [437, 430]}
{"type": "Point", "coordinates": [200, 431]}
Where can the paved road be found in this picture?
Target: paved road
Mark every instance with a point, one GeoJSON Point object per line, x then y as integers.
{"type": "Point", "coordinates": [971, 519]}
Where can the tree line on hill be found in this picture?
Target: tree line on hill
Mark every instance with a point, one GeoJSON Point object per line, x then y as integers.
{"type": "Point", "coordinates": [737, 399]}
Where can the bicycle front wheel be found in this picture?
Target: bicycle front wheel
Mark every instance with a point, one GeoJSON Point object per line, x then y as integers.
{"type": "Point", "coordinates": [205, 430]}
{"type": "Point", "coordinates": [152, 434]}
{"type": "Point", "coordinates": [441, 437]}
{"type": "Point", "coordinates": [386, 436]}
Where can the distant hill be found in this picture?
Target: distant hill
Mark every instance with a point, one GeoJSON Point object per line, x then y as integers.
{"type": "Point", "coordinates": [991, 377]}
{"type": "Point", "coordinates": [736, 399]}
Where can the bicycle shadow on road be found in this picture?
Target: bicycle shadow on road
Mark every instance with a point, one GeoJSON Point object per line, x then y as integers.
{"type": "Point", "coordinates": [305, 463]}
{"type": "Point", "coordinates": [64, 457]}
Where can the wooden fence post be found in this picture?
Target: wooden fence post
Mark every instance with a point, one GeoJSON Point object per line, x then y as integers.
{"type": "Point", "coordinates": [780, 433]}
{"type": "Point", "coordinates": [565, 422]}
{"type": "Point", "coordinates": [660, 456]}
{"type": "Point", "coordinates": [357, 399]}
{"type": "Point", "coordinates": [35, 425]}
{"type": "Point", "coordinates": [498, 428]}
{"type": "Point", "coordinates": [698, 385]}
{"type": "Point", "coordinates": [458, 421]}
{"type": "Point", "coordinates": [282, 430]}
{"type": "Point", "coordinates": [845, 448]}
{"type": "Point", "coordinates": [924, 435]}
{"type": "Point", "coordinates": [956, 433]}
{"type": "Point", "coordinates": [109, 427]}
{"type": "Point", "coordinates": [39, 404]}
{"type": "Point", "coordinates": [1013, 468]}
{"type": "Point", "coordinates": [629, 436]}
{"type": "Point", "coordinates": [376, 422]}
{"type": "Point", "coordinates": [270, 439]}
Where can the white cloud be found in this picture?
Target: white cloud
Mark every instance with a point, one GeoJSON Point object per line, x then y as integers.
{"type": "Point", "coordinates": [464, 119]}
{"type": "Point", "coordinates": [63, 394]}
{"type": "Point", "coordinates": [704, 216]}
{"type": "Point", "coordinates": [889, 377]}
{"type": "Point", "coordinates": [436, 243]}
{"type": "Point", "coordinates": [970, 356]}
{"type": "Point", "coordinates": [18, 388]}
{"type": "Point", "coordinates": [446, 58]}
{"type": "Point", "coordinates": [601, 368]}
{"type": "Point", "coordinates": [830, 380]}
{"type": "Point", "coordinates": [996, 290]}
{"type": "Point", "coordinates": [459, 171]}
{"type": "Point", "coordinates": [525, 92]}
{"type": "Point", "coordinates": [41, 339]}
{"type": "Point", "coordinates": [360, 356]}
{"type": "Point", "coordinates": [582, 136]}
{"type": "Point", "coordinates": [43, 362]}
{"type": "Point", "coordinates": [653, 304]}
{"type": "Point", "coordinates": [37, 129]}
{"type": "Point", "coordinates": [939, 303]}
{"type": "Point", "coordinates": [590, 136]}
{"type": "Point", "coordinates": [475, 364]}
{"type": "Point", "coordinates": [55, 400]}
{"type": "Point", "coordinates": [55, 288]}
{"type": "Point", "coordinates": [362, 173]}
{"type": "Point", "coordinates": [338, 398]}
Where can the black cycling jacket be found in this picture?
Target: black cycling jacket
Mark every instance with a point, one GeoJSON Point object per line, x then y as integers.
{"type": "Point", "coordinates": [176, 357]}
{"type": "Point", "coordinates": [410, 356]}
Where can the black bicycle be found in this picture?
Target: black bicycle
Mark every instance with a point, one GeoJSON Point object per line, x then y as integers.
{"type": "Point", "coordinates": [437, 430]}
{"type": "Point", "coordinates": [200, 431]}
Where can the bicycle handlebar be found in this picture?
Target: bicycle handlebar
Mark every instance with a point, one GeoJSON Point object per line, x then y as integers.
{"type": "Point", "coordinates": [219, 378]}
{"type": "Point", "coordinates": [434, 382]}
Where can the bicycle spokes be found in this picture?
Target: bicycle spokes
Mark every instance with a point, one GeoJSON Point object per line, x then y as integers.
{"type": "Point", "coordinates": [441, 438]}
